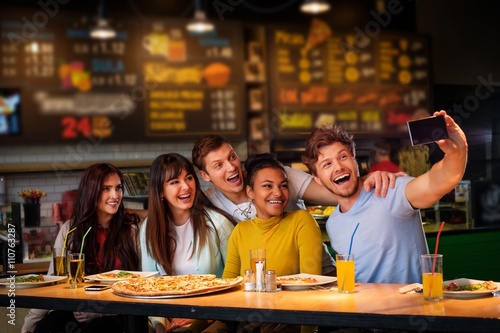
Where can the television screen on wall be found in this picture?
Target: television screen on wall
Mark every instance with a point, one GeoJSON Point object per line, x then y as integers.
{"type": "Point", "coordinates": [10, 109]}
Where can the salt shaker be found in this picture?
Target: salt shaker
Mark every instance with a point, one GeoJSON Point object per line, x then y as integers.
{"type": "Point", "coordinates": [249, 281]}
{"type": "Point", "coordinates": [260, 276]}
{"type": "Point", "coordinates": [271, 281]}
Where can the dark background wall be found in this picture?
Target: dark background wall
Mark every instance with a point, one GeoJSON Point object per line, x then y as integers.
{"type": "Point", "coordinates": [465, 53]}
{"type": "Point", "coordinates": [464, 37]}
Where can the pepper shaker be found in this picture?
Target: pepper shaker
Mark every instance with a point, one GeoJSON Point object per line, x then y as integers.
{"type": "Point", "coordinates": [271, 281]}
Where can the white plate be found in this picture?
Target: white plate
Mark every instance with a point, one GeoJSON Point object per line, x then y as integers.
{"type": "Point", "coordinates": [466, 293]}
{"type": "Point", "coordinates": [300, 286]}
{"type": "Point", "coordinates": [99, 278]}
{"type": "Point", "coordinates": [49, 279]}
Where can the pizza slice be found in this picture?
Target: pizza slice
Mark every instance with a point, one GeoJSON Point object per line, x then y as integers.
{"type": "Point", "coordinates": [296, 280]}
{"type": "Point", "coordinates": [118, 275]}
{"type": "Point", "coordinates": [319, 32]}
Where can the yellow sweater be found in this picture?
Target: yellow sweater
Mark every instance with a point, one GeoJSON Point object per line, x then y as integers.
{"type": "Point", "coordinates": [292, 242]}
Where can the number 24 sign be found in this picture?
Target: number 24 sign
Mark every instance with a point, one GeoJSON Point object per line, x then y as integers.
{"type": "Point", "coordinates": [73, 127]}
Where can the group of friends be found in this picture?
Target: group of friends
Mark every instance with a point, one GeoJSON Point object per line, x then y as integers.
{"type": "Point", "coordinates": [190, 231]}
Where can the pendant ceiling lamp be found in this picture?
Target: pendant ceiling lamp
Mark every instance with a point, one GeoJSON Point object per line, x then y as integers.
{"type": "Point", "coordinates": [102, 29]}
{"type": "Point", "coordinates": [315, 6]}
{"type": "Point", "coordinates": [199, 24]}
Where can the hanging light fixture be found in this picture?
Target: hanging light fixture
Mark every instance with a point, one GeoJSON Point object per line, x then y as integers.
{"type": "Point", "coordinates": [315, 6]}
{"type": "Point", "coordinates": [102, 29]}
{"type": "Point", "coordinates": [199, 24]}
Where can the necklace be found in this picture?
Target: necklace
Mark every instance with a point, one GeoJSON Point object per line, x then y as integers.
{"type": "Point", "coordinates": [247, 212]}
{"type": "Point", "coordinates": [228, 206]}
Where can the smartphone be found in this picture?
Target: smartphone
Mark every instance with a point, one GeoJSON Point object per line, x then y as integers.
{"type": "Point", "coordinates": [427, 130]}
{"type": "Point", "coordinates": [97, 287]}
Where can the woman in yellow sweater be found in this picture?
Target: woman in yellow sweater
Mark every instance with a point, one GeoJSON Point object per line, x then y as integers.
{"type": "Point", "coordinates": [292, 240]}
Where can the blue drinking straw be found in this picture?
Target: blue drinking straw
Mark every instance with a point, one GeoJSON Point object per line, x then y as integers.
{"type": "Point", "coordinates": [352, 236]}
{"type": "Point", "coordinates": [349, 253]}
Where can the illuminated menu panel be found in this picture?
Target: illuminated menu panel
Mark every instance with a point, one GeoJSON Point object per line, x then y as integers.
{"type": "Point", "coordinates": [152, 81]}
{"type": "Point", "coordinates": [370, 85]}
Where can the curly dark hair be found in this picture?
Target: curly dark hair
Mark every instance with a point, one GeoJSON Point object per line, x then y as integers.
{"type": "Point", "coordinates": [257, 162]}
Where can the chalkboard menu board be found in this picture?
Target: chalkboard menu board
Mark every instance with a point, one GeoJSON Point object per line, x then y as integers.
{"type": "Point", "coordinates": [154, 81]}
{"type": "Point", "coordinates": [367, 83]}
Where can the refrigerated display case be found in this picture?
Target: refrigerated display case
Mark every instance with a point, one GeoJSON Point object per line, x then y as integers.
{"type": "Point", "coordinates": [38, 242]}
{"type": "Point", "coordinates": [454, 208]}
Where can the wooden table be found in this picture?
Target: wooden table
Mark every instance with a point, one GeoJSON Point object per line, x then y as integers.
{"type": "Point", "coordinates": [373, 305]}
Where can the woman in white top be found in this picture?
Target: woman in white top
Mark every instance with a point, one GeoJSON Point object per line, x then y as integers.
{"type": "Point", "coordinates": [183, 233]}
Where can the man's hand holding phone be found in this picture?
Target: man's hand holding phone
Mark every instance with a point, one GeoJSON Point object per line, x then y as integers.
{"type": "Point", "coordinates": [427, 130]}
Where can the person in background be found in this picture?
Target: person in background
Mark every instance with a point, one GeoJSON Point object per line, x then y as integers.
{"type": "Point", "coordinates": [183, 233]}
{"type": "Point", "coordinates": [292, 240]}
{"type": "Point", "coordinates": [219, 164]}
{"type": "Point", "coordinates": [390, 238]}
{"type": "Point", "coordinates": [381, 153]}
{"type": "Point", "coordinates": [111, 243]}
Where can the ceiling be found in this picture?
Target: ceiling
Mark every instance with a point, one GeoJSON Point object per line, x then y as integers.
{"type": "Point", "coordinates": [345, 14]}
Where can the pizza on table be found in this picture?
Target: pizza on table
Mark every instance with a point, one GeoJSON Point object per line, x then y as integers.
{"type": "Point", "coordinates": [166, 285]}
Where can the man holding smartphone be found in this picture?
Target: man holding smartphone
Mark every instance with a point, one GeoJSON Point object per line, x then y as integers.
{"type": "Point", "coordinates": [390, 238]}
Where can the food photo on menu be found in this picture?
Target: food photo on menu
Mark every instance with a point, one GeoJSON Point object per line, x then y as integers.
{"type": "Point", "coordinates": [10, 109]}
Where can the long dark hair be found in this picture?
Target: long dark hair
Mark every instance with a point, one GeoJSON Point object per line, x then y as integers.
{"type": "Point", "coordinates": [122, 227]}
{"type": "Point", "coordinates": [159, 229]}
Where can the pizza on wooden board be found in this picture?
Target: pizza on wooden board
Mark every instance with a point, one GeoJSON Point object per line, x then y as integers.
{"type": "Point", "coordinates": [166, 285]}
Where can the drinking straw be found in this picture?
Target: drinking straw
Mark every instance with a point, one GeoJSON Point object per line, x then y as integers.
{"type": "Point", "coordinates": [436, 248]}
{"type": "Point", "coordinates": [83, 240]}
{"type": "Point", "coordinates": [349, 253]}
{"type": "Point", "coordinates": [80, 255]}
{"type": "Point", "coordinates": [352, 236]}
{"type": "Point", "coordinates": [59, 267]}
{"type": "Point", "coordinates": [435, 255]}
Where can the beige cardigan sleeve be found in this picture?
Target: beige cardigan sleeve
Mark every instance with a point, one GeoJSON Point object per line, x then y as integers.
{"type": "Point", "coordinates": [32, 318]}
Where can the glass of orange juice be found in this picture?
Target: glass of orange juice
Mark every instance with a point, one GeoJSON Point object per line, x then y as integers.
{"type": "Point", "coordinates": [432, 276]}
{"type": "Point", "coordinates": [345, 273]}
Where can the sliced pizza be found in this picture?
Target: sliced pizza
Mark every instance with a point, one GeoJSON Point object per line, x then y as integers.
{"type": "Point", "coordinates": [173, 285]}
{"type": "Point", "coordinates": [296, 280]}
{"type": "Point", "coordinates": [118, 275]}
